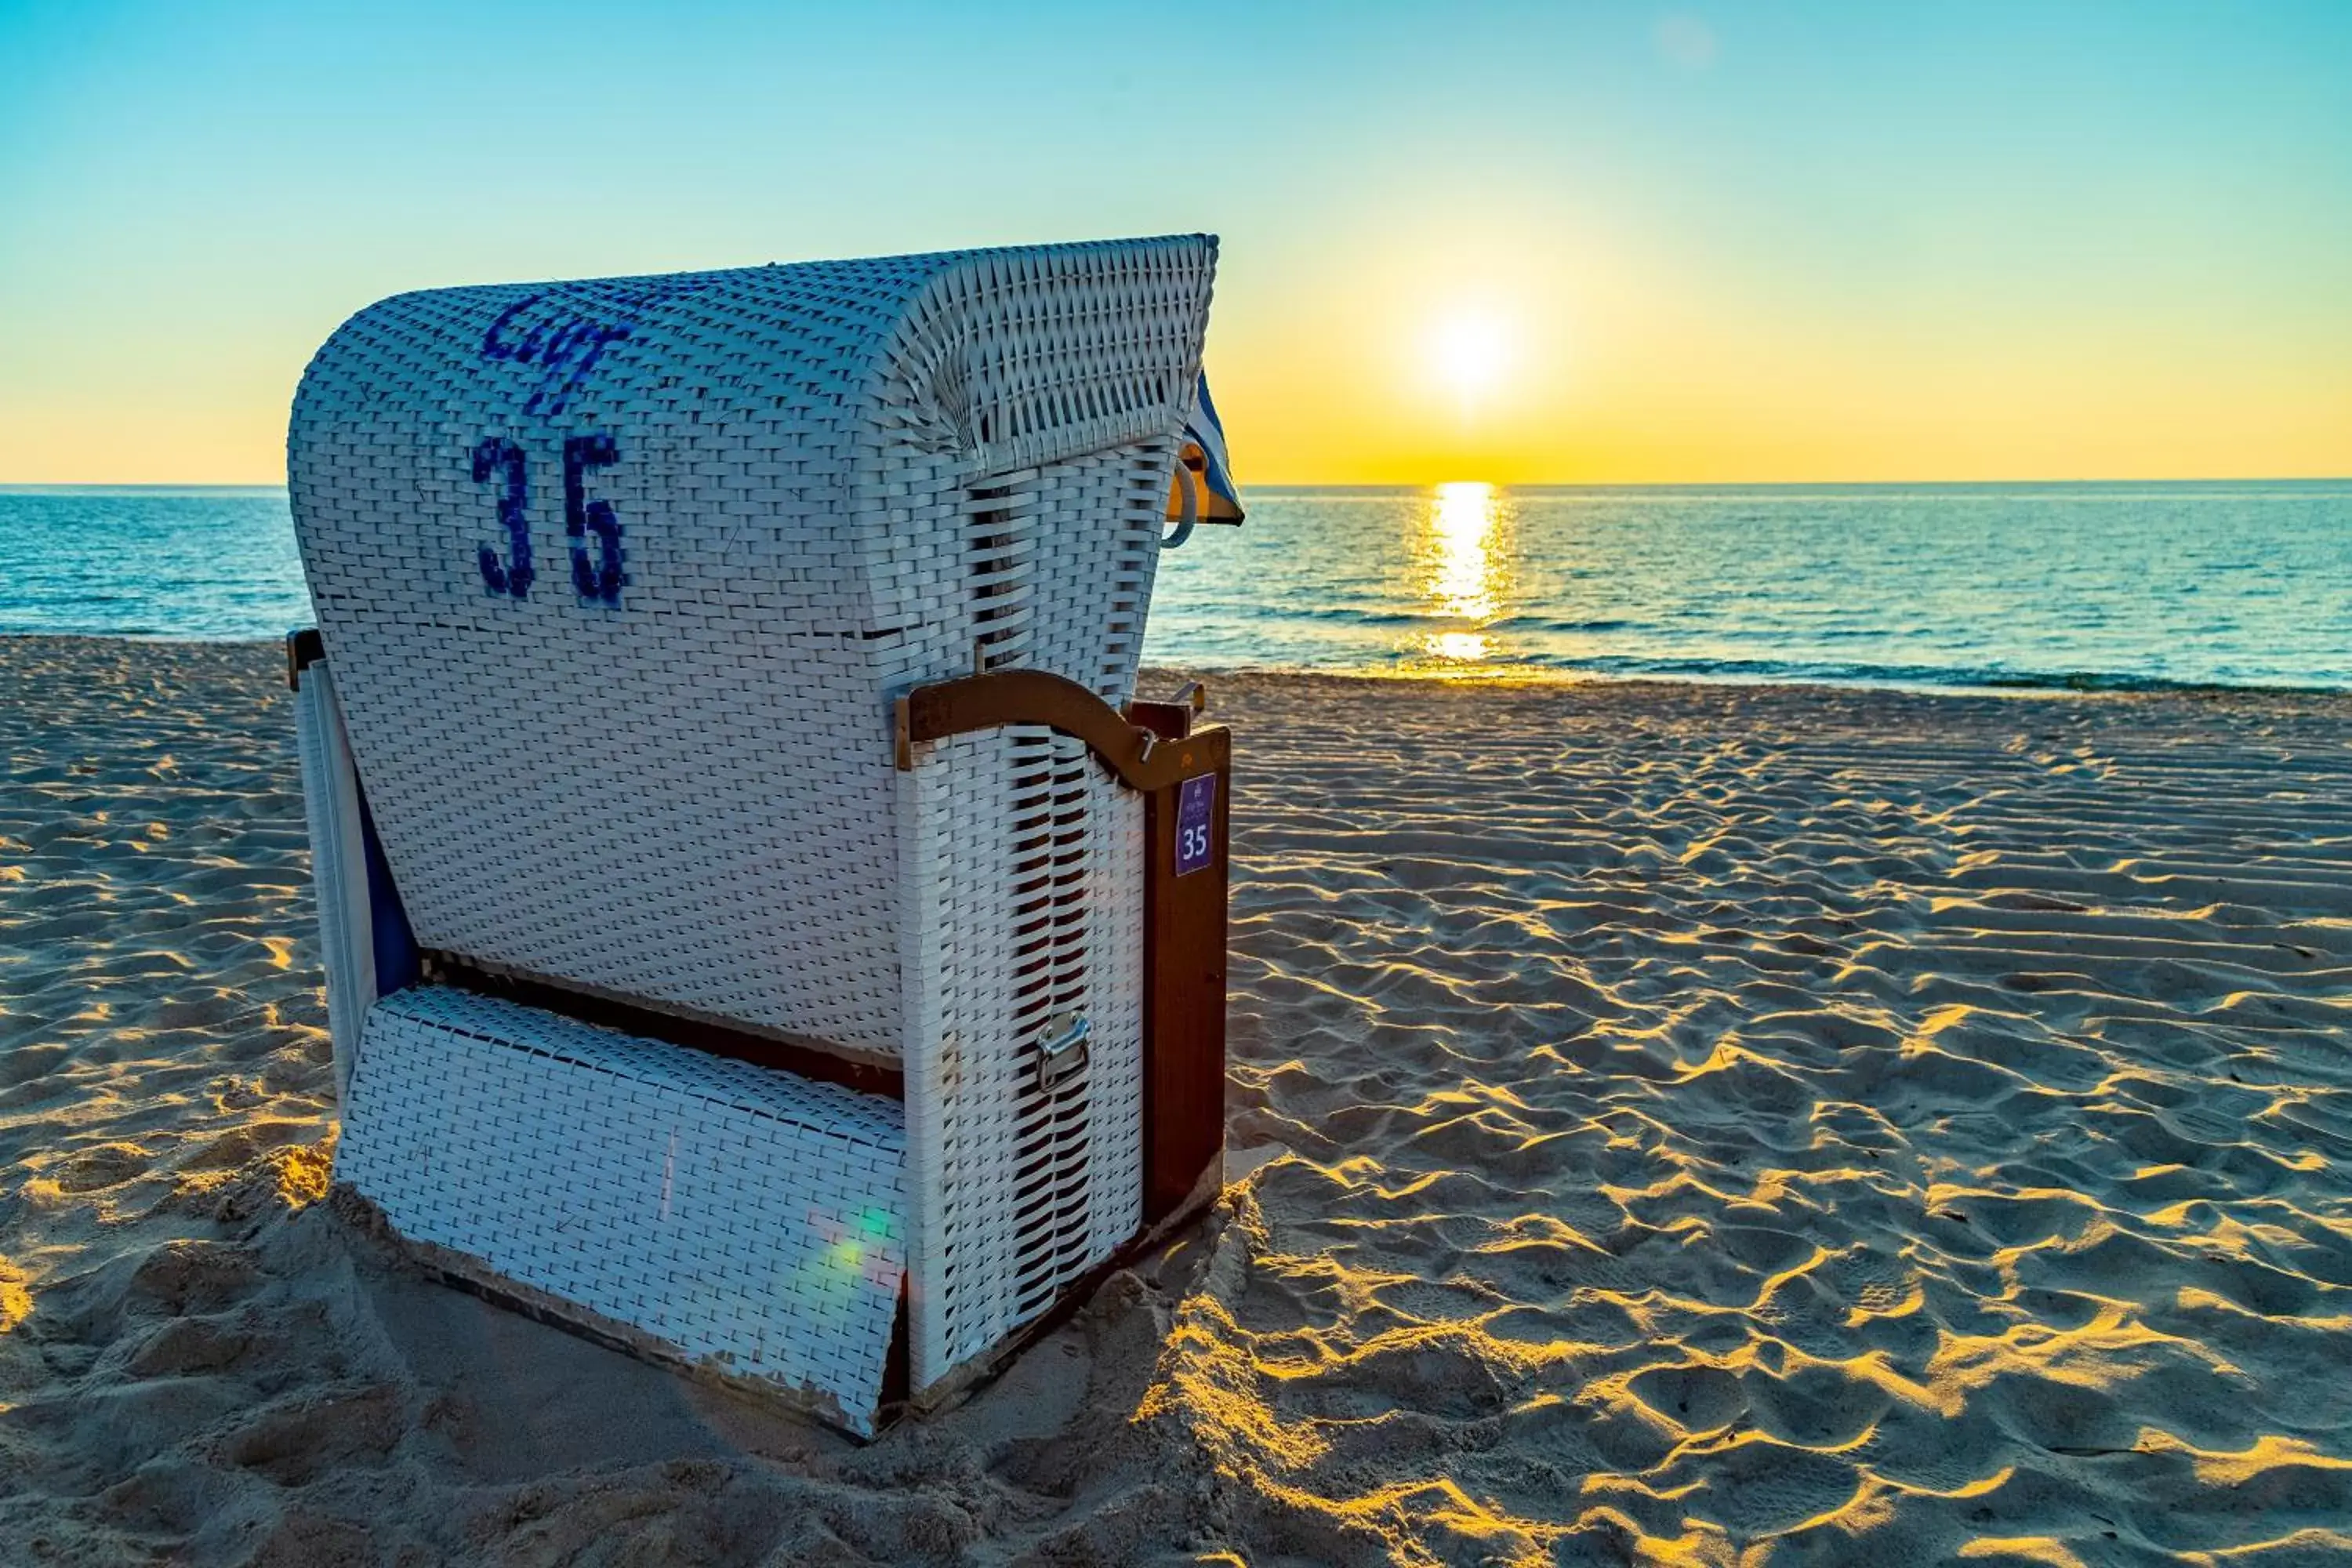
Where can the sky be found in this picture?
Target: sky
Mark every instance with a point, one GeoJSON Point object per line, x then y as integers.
{"type": "Point", "coordinates": [1515, 243]}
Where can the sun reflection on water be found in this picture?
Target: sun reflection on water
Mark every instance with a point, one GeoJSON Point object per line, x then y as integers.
{"type": "Point", "coordinates": [1466, 572]}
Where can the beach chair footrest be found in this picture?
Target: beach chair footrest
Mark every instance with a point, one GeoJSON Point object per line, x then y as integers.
{"type": "Point", "coordinates": [741, 1220]}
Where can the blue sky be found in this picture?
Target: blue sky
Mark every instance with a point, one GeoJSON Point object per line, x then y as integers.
{"type": "Point", "coordinates": [1754, 241]}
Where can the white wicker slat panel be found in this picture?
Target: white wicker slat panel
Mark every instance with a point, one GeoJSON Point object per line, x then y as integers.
{"type": "Point", "coordinates": [1013, 358]}
{"type": "Point", "coordinates": [1115, 989]}
{"type": "Point", "coordinates": [604, 792]}
{"type": "Point", "coordinates": [929, 1057]}
{"type": "Point", "coordinates": [1025, 874]}
{"type": "Point", "coordinates": [330, 803]}
{"type": "Point", "coordinates": [1103, 515]}
{"type": "Point", "coordinates": [742, 1217]}
{"type": "Point", "coordinates": [973, 842]}
{"type": "Point", "coordinates": [1055, 1131]}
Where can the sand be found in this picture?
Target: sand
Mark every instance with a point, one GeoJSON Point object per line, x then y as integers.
{"type": "Point", "coordinates": [1676, 1124]}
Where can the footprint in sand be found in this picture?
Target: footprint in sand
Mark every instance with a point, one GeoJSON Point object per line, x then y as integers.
{"type": "Point", "coordinates": [1694, 1399]}
{"type": "Point", "coordinates": [194, 1276]}
{"type": "Point", "coordinates": [95, 1169]}
{"type": "Point", "coordinates": [185, 1347]}
{"type": "Point", "coordinates": [293, 1442]}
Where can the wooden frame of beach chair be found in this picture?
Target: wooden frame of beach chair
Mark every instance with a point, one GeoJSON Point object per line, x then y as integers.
{"type": "Point", "coordinates": [760, 931]}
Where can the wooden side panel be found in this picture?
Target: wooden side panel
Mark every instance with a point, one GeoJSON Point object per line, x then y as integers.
{"type": "Point", "coordinates": [1153, 749]}
{"type": "Point", "coordinates": [1184, 1012]}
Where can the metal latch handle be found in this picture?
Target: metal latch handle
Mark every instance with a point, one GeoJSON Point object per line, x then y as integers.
{"type": "Point", "coordinates": [1065, 1050]}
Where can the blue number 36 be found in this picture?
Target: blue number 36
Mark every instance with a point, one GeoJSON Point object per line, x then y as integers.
{"type": "Point", "coordinates": [596, 581]}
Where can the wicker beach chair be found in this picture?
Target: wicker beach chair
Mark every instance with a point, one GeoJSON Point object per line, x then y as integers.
{"type": "Point", "coordinates": [761, 929]}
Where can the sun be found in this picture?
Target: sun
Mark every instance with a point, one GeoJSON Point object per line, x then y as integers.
{"type": "Point", "coordinates": [1470, 350]}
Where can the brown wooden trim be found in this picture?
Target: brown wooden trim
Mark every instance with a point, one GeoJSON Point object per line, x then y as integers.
{"type": "Point", "coordinates": [991, 702]}
{"type": "Point", "coordinates": [1169, 720]}
{"type": "Point", "coordinates": [1183, 1000]}
{"type": "Point", "coordinates": [824, 1063]}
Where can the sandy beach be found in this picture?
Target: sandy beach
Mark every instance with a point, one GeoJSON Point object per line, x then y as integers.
{"type": "Point", "coordinates": [1672, 1124]}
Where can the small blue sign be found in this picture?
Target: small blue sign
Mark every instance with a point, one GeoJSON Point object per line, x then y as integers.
{"type": "Point", "coordinates": [1196, 819]}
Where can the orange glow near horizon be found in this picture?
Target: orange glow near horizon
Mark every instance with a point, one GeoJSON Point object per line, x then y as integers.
{"type": "Point", "coordinates": [1657, 388]}
{"type": "Point", "coordinates": [1529, 348]}
{"type": "Point", "coordinates": [1523, 351]}
{"type": "Point", "coordinates": [1533, 244]}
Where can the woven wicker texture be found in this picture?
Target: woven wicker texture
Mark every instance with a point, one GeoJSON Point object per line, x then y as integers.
{"type": "Point", "coordinates": [1020, 1186]}
{"type": "Point", "coordinates": [618, 580]}
{"type": "Point", "coordinates": [619, 577]}
{"type": "Point", "coordinates": [742, 1218]}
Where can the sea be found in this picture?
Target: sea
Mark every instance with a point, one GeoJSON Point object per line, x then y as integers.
{"type": "Point", "coordinates": [2092, 586]}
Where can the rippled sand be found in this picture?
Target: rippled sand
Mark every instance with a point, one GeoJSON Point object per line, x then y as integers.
{"type": "Point", "coordinates": [1681, 1124]}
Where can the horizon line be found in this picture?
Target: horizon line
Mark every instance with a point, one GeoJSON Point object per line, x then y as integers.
{"type": "Point", "coordinates": [1248, 485]}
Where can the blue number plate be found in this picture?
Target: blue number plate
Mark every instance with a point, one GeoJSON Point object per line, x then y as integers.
{"type": "Point", "coordinates": [1196, 819]}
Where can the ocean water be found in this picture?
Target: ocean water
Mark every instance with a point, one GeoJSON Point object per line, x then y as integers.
{"type": "Point", "coordinates": [2083, 585]}
{"type": "Point", "coordinates": [2095, 585]}
{"type": "Point", "coordinates": [141, 561]}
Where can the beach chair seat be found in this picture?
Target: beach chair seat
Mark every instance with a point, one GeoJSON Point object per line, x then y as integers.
{"type": "Point", "coordinates": [761, 929]}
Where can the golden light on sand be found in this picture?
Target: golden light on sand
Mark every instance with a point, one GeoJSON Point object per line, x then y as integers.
{"type": "Point", "coordinates": [1465, 569]}
{"type": "Point", "coordinates": [1653, 1081]}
